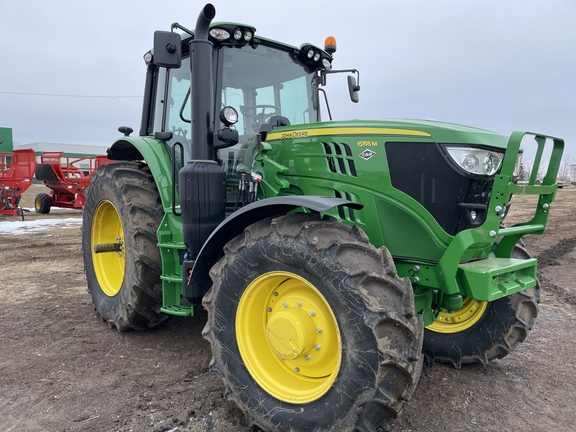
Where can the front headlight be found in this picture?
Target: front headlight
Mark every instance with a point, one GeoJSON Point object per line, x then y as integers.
{"type": "Point", "coordinates": [476, 160]}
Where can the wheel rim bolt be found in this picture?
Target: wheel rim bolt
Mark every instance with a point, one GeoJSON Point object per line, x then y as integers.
{"type": "Point", "coordinates": [307, 357]}
{"type": "Point", "coordinates": [269, 309]}
{"type": "Point", "coordinates": [285, 304]}
{"type": "Point", "coordinates": [275, 294]}
{"type": "Point", "coordinates": [317, 347]}
{"type": "Point", "coordinates": [319, 330]}
{"type": "Point", "coordinates": [312, 313]}
{"type": "Point", "coordinates": [299, 304]}
{"type": "Point", "coordinates": [297, 370]}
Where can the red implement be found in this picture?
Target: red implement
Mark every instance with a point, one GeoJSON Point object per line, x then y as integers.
{"type": "Point", "coordinates": [68, 179]}
{"type": "Point", "coordinates": [16, 173]}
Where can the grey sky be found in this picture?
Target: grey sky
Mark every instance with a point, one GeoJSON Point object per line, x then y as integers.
{"type": "Point", "coordinates": [499, 65]}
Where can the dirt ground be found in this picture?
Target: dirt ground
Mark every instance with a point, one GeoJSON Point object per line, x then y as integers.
{"type": "Point", "coordinates": [61, 369]}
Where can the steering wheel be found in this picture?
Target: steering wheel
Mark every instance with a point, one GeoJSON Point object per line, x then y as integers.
{"type": "Point", "coordinates": [262, 116]}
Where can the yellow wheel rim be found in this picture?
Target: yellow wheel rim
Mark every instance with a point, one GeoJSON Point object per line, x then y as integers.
{"type": "Point", "coordinates": [37, 204]}
{"type": "Point", "coordinates": [462, 319]}
{"type": "Point", "coordinates": [108, 266]}
{"type": "Point", "coordinates": [288, 337]}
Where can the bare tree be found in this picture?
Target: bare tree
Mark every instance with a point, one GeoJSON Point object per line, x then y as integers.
{"type": "Point", "coordinates": [564, 171]}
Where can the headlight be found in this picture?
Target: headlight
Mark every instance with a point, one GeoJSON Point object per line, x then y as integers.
{"type": "Point", "coordinates": [491, 163]}
{"type": "Point", "coordinates": [476, 160]}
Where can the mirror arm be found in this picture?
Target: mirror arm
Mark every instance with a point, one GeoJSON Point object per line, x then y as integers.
{"type": "Point", "coordinates": [320, 90]}
{"type": "Point", "coordinates": [181, 27]}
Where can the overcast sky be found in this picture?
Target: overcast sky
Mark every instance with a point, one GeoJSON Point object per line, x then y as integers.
{"type": "Point", "coordinates": [496, 64]}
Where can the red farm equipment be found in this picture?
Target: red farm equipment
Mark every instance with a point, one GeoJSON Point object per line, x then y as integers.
{"type": "Point", "coordinates": [67, 178]}
{"type": "Point", "coordinates": [16, 172]}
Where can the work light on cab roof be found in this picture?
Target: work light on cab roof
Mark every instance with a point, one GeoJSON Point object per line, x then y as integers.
{"type": "Point", "coordinates": [233, 34]}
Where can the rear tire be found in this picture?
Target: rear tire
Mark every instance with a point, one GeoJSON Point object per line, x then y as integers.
{"type": "Point", "coordinates": [310, 327]}
{"type": "Point", "coordinates": [483, 331]}
{"type": "Point", "coordinates": [42, 203]}
{"type": "Point", "coordinates": [123, 208]}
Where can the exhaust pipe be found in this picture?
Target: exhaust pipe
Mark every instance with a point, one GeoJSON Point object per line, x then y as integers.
{"type": "Point", "coordinates": [203, 22]}
{"type": "Point", "coordinates": [201, 55]}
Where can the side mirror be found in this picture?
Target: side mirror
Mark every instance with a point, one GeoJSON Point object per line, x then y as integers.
{"type": "Point", "coordinates": [167, 49]}
{"type": "Point", "coordinates": [353, 88]}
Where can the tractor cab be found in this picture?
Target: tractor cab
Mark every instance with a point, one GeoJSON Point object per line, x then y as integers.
{"type": "Point", "coordinates": [259, 85]}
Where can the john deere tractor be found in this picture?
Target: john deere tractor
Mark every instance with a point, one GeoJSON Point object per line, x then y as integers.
{"type": "Point", "coordinates": [332, 257]}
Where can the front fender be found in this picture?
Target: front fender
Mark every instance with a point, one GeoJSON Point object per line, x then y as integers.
{"type": "Point", "coordinates": [239, 220]}
{"type": "Point", "coordinates": [154, 153]}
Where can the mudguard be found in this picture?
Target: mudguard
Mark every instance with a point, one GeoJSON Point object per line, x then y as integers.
{"type": "Point", "coordinates": [239, 220]}
{"type": "Point", "coordinates": [154, 153]}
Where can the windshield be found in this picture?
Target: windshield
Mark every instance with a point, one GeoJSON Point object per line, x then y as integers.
{"type": "Point", "coordinates": [259, 83]}
{"type": "Point", "coordinates": [264, 82]}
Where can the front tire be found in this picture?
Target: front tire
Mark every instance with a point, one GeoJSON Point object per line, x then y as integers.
{"type": "Point", "coordinates": [310, 327]}
{"type": "Point", "coordinates": [482, 331]}
{"type": "Point", "coordinates": [121, 259]}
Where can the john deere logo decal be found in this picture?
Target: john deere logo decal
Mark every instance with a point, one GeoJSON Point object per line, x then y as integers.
{"type": "Point", "coordinates": [367, 154]}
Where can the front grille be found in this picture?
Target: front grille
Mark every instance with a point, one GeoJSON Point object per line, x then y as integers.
{"type": "Point", "coordinates": [422, 171]}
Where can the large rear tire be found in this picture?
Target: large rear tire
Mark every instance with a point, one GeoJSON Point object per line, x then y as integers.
{"type": "Point", "coordinates": [482, 331]}
{"type": "Point", "coordinates": [121, 214]}
{"type": "Point", "coordinates": [310, 327]}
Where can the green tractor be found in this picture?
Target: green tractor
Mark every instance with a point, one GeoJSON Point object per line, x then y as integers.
{"type": "Point", "coordinates": [332, 257]}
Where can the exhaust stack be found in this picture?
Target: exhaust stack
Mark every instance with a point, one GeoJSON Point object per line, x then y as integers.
{"type": "Point", "coordinates": [202, 182]}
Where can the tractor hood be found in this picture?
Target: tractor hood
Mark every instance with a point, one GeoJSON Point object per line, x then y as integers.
{"type": "Point", "coordinates": [441, 132]}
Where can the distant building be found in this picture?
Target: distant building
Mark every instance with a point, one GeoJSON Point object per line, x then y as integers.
{"type": "Point", "coordinates": [70, 150]}
{"type": "Point", "coordinates": [573, 173]}
{"type": "Point", "coordinates": [5, 140]}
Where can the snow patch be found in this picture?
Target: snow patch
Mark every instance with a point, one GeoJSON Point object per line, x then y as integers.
{"type": "Point", "coordinates": [25, 227]}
